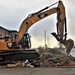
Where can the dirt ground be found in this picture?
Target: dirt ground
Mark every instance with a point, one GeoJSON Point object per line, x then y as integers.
{"type": "Point", "coordinates": [37, 71]}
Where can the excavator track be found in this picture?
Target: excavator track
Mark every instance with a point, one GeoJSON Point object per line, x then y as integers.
{"type": "Point", "coordinates": [18, 55]}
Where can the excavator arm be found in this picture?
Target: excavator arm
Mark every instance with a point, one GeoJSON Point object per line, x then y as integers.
{"type": "Point", "coordinates": [33, 18]}
{"type": "Point", "coordinates": [30, 20]}
{"type": "Point", "coordinates": [61, 35]}
{"type": "Point", "coordinates": [61, 24]}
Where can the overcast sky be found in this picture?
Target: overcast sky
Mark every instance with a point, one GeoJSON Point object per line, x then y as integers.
{"type": "Point", "coordinates": [13, 12]}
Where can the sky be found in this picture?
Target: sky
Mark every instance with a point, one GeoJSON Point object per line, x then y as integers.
{"type": "Point", "coordinates": [13, 12]}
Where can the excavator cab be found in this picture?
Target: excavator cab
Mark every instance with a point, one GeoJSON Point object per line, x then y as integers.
{"type": "Point", "coordinates": [26, 41]}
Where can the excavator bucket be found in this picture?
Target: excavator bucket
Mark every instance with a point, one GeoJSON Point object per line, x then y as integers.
{"type": "Point", "coordinates": [68, 45]}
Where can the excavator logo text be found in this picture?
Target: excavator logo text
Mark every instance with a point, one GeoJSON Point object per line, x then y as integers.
{"type": "Point", "coordinates": [42, 15]}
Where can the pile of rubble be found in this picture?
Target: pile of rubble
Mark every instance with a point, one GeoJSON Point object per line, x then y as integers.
{"type": "Point", "coordinates": [48, 58]}
{"type": "Point", "coordinates": [57, 58]}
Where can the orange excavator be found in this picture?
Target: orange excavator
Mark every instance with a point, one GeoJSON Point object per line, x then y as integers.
{"type": "Point", "coordinates": [22, 39]}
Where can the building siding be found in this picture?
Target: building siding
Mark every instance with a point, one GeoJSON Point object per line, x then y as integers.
{"type": "Point", "coordinates": [7, 33]}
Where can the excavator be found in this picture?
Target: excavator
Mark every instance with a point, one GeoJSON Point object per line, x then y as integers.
{"type": "Point", "coordinates": [16, 48]}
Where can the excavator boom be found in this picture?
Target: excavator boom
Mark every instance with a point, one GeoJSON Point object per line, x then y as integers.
{"type": "Point", "coordinates": [33, 18]}
{"type": "Point", "coordinates": [30, 20]}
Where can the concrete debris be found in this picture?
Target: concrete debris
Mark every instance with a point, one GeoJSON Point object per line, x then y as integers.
{"type": "Point", "coordinates": [57, 58]}
{"type": "Point", "coordinates": [27, 64]}
{"type": "Point", "coordinates": [48, 58]}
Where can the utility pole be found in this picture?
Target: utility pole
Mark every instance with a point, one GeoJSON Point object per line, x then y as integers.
{"type": "Point", "coordinates": [48, 42]}
{"type": "Point", "coordinates": [45, 39]}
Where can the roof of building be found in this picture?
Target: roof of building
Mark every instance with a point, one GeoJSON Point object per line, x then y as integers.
{"type": "Point", "coordinates": [8, 29]}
